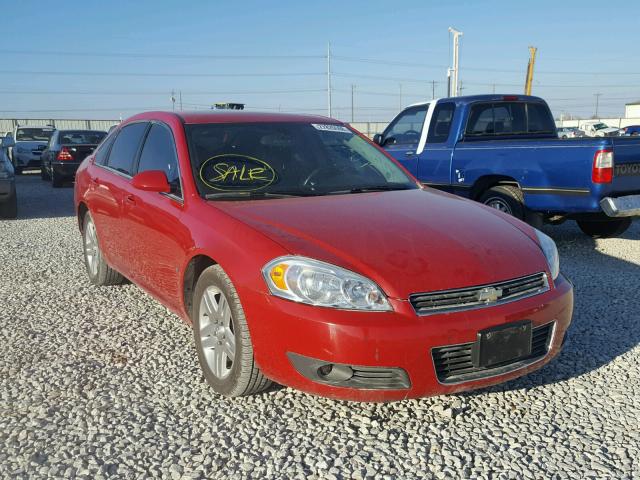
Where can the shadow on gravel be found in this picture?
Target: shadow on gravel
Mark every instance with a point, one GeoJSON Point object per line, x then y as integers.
{"type": "Point", "coordinates": [38, 199]}
{"type": "Point", "coordinates": [606, 310]}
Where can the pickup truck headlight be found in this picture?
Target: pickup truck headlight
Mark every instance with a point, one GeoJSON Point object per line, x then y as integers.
{"type": "Point", "coordinates": [550, 251]}
{"type": "Point", "coordinates": [322, 284]}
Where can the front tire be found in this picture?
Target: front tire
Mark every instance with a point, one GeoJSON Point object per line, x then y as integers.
{"type": "Point", "coordinates": [506, 198]}
{"type": "Point", "coordinates": [222, 337]}
{"type": "Point", "coordinates": [100, 273]}
{"type": "Point", "coordinates": [604, 229]}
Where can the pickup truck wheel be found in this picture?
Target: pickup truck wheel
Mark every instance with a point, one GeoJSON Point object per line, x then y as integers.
{"type": "Point", "coordinates": [506, 198]}
{"type": "Point", "coordinates": [222, 337]}
{"type": "Point", "coordinates": [100, 273]}
{"type": "Point", "coordinates": [604, 229]}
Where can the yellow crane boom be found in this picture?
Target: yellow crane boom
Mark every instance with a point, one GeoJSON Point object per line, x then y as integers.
{"type": "Point", "coordinates": [532, 62]}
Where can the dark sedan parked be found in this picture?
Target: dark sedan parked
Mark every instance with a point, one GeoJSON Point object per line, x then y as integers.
{"type": "Point", "coordinates": [65, 151]}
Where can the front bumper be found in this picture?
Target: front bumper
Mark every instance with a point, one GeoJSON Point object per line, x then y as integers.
{"type": "Point", "coordinates": [65, 169]}
{"type": "Point", "coordinates": [395, 342]}
{"type": "Point", "coordinates": [627, 206]}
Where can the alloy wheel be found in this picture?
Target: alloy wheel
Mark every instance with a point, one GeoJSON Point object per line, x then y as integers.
{"type": "Point", "coordinates": [217, 332]}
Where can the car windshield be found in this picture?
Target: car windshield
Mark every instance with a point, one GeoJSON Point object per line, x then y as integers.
{"type": "Point", "coordinates": [79, 137]}
{"type": "Point", "coordinates": [34, 134]}
{"type": "Point", "coordinates": [264, 160]}
{"type": "Point", "coordinates": [600, 126]}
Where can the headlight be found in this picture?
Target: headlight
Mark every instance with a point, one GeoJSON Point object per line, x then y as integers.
{"type": "Point", "coordinates": [318, 283]}
{"type": "Point", "coordinates": [550, 251]}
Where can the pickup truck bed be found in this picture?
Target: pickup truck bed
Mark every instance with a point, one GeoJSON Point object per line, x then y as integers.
{"type": "Point", "coordinates": [504, 152]}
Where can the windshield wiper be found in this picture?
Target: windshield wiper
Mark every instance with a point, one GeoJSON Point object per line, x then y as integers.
{"type": "Point", "coordinates": [371, 188]}
{"type": "Point", "coordinates": [247, 195]}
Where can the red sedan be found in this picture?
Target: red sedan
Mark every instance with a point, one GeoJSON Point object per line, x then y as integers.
{"type": "Point", "coordinates": [304, 255]}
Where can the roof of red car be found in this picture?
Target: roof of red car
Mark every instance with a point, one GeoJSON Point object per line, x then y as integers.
{"type": "Point", "coordinates": [231, 116]}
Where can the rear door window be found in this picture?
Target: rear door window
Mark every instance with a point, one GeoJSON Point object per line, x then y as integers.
{"type": "Point", "coordinates": [125, 147]}
{"type": "Point", "coordinates": [441, 123]}
{"type": "Point", "coordinates": [102, 152]}
{"type": "Point", "coordinates": [508, 118]}
{"type": "Point", "coordinates": [159, 153]}
{"type": "Point", "coordinates": [406, 128]}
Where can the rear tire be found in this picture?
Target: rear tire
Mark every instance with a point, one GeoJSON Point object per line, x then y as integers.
{"type": "Point", "coordinates": [604, 229]}
{"type": "Point", "coordinates": [221, 332]}
{"type": "Point", "coordinates": [56, 181]}
{"type": "Point", "coordinates": [9, 209]}
{"type": "Point", "coordinates": [99, 272]}
{"type": "Point", "coordinates": [506, 198]}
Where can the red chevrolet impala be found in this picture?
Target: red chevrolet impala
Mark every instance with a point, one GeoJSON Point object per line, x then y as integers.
{"type": "Point", "coordinates": [303, 254]}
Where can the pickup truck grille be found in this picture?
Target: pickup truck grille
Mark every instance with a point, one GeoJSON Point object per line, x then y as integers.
{"type": "Point", "coordinates": [453, 364]}
{"type": "Point", "coordinates": [480, 296]}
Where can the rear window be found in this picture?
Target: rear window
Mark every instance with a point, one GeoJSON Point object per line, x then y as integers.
{"type": "Point", "coordinates": [508, 119]}
{"type": "Point", "coordinates": [34, 134]}
{"type": "Point", "coordinates": [80, 137]}
{"type": "Point", "coordinates": [125, 147]}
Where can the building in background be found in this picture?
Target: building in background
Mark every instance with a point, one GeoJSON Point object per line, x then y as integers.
{"type": "Point", "coordinates": [632, 110]}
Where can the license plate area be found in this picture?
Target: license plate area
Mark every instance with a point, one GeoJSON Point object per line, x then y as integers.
{"type": "Point", "coordinates": [502, 344]}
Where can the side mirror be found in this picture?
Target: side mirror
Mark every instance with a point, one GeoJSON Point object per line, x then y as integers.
{"type": "Point", "coordinates": [377, 139]}
{"type": "Point", "coordinates": [151, 181]}
{"type": "Point", "coordinates": [8, 141]}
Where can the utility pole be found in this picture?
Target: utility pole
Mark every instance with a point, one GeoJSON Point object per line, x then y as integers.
{"type": "Point", "coordinates": [597, 95]}
{"type": "Point", "coordinates": [453, 89]}
{"type": "Point", "coordinates": [433, 89]}
{"type": "Point", "coordinates": [180, 100]}
{"type": "Point", "coordinates": [532, 62]}
{"type": "Point", "coordinates": [173, 100]}
{"type": "Point", "coordinates": [353, 87]}
{"type": "Point", "coordinates": [329, 78]}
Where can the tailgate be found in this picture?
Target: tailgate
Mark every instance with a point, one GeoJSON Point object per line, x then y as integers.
{"type": "Point", "coordinates": [626, 159]}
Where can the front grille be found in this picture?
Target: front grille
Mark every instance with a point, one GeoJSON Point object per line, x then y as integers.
{"type": "Point", "coordinates": [480, 296]}
{"type": "Point", "coordinates": [453, 363]}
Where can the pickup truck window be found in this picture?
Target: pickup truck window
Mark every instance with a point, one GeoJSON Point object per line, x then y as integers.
{"type": "Point", "coordinates": [508, 118]}
{"type": "Point", "coordinates": [441, 123]}
{"type": "Point", "coordinates": [406, 128]}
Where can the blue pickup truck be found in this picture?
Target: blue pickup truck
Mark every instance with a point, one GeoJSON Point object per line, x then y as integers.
{"type": "Point", "coordinates": [504, 151]}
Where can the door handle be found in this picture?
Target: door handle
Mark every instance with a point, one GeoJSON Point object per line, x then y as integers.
{"type": "Point", "coordinates": [409, 154]}
{"type": "Point", "coordinates": [130, 199]}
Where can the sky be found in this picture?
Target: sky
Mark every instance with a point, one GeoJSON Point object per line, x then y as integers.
{"type": "Point", "coordinates": [89, 59]}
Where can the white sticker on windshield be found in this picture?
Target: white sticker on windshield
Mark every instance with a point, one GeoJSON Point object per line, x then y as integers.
{"type": "Point", "coordinates": [327, 127]}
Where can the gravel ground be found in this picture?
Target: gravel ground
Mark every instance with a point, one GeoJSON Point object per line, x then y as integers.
{"type": "Point", "coordinates": [104, 382]}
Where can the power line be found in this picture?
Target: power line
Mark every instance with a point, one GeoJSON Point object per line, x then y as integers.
{"type": "Point", "coordinates": [157, 74]}
{"type": "Point", "coordinates": [155, 55]}
{"type": "Point", "coordinates": [193, 92]}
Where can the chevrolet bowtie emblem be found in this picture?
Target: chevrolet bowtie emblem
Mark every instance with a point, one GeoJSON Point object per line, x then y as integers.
{"type": "Point", "coordinates": [489, 294]}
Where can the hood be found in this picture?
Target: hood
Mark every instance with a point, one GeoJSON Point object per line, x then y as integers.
{"type": "Point", "coordinates": [407, 241]}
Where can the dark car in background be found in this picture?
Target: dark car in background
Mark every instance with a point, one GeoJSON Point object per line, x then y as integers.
{"type": "Point", "coordinates": [65, 151]}
{"type": "Point", "coordinates": [8, 198]}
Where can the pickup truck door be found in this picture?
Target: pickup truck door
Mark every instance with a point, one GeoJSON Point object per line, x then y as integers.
{"type": "Point", "coordinates": [401, 138]}
{"type": "Point", "coordinates": [434, 150]}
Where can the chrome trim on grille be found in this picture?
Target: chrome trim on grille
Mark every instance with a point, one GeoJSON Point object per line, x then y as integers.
{"type": "Point", "coordinates": [480, 296]}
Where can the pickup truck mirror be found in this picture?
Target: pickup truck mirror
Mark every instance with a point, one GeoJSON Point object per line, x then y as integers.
{"type": "Point", "coordinates": [151, 181]}
{"type": "Point", "coordinates": [8, 141]}
{"type": "Point", "coordinates": [377, 139]}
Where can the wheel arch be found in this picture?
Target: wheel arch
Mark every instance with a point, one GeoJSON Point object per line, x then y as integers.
{"type": "Point", "coordinates": [196, 265]}
{"type": "Point", "coordinates": [485, 182]}
{"type": "Point", "coordinates": [82, 212]}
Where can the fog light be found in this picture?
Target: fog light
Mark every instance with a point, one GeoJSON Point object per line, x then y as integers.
{"type": "Point", "coordinates": [335, 373]}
